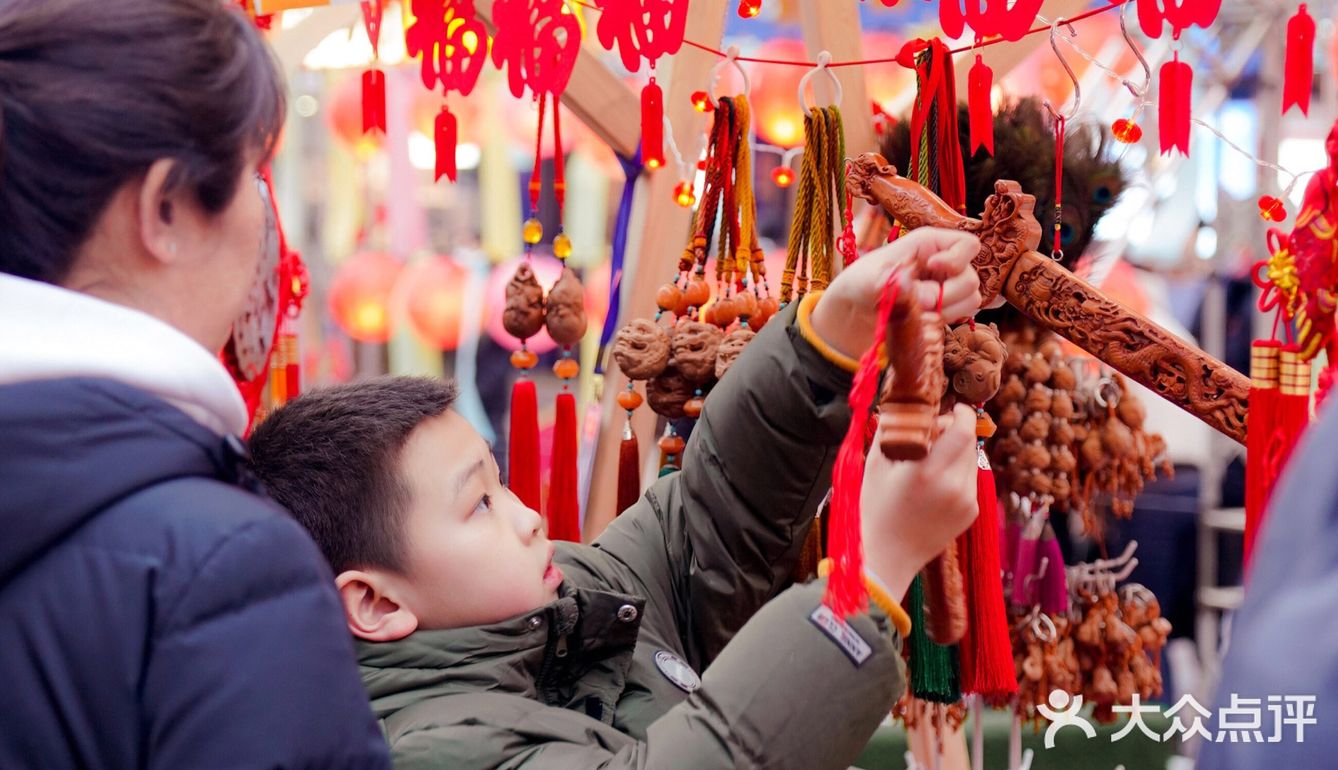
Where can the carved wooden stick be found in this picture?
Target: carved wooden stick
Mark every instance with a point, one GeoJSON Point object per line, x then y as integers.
{"type": "Point", "coordinates": [907, 418]}
{"type": "Point", "coordinates": [1059, 300]}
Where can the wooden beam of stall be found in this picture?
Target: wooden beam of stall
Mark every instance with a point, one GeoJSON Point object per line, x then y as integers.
{"type": "Point", "coordinates": [835, 28]}
{"type": "Point", "coordinates": [596, 95]}
{"type": "Point", "coordinates": [655, 248]}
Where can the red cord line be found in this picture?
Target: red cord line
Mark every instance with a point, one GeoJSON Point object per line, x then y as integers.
{"type": "Point", "coordinates": [976, 46]}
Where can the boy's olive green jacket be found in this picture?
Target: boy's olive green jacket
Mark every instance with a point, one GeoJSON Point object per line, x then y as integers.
{"type": "Point", "coordinates": [689, 580]}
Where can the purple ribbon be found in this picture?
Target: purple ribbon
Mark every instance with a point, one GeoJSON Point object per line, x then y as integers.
{"type": "Point", "coordinates": [632, 170]}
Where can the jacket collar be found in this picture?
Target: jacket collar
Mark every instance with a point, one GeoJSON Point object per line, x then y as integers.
{"type": "Point", "coordinates": [533, 655]}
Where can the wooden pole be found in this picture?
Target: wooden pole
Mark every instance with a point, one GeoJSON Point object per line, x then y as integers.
{"type": "Point", "coordinates": [654, 255]}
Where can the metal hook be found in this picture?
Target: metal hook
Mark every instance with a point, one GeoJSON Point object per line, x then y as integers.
{"type": "Point", "coordinates": [1138, 93]}
{"type": "Point", "coordinates": [1077, 89]}
{"type": "Point", "coordinates": [713, 77]}
{"type": "Point", "coordinates": [824, 59]}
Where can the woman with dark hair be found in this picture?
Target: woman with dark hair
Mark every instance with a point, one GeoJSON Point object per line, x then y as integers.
{"type": "Point", "coordinates": [154, 610]}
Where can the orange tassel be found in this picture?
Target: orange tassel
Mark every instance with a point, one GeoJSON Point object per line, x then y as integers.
{"type": "Point", "coordinates": [563, 496]}
{"type": "Point", "coordinates": [523, 447]}
{"type": "Point", "coordinates": [629, 470]}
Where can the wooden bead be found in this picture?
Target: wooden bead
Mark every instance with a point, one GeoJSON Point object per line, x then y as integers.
{"type": "Point", "coordinates": [726, 310]}
{"type": "Point", "coordinates": [629, 399]}
{"type": "Point", "coordinates": [693, 408]}
{"type": "Point", "coordinates": [746, 303]}
{"type": "Point", "coordinates": [524, 359]}
{"type": "Point", "coordinates": [566, 368]}
{"type": "Point", "coordinates": [766, 308]}
{"type": "Point", "coordinates": [672, 445]}
{"type": "Point", "coordinates": [668, 296]}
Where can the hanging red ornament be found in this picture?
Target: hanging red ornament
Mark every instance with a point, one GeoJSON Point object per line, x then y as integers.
{"type": "Point", "coordinates": [642, 28]}
{"type": "Point", "coordinates": [1175, 84]}
{"type": "Point", "coordinates": [988, 18]}
{"type": "Point", "coordinates": [445, 131]}
{"type": "Point", "coordinates": [1126, 131]}
{"type": "Point", "coordinates": [536, 42]}
{"type": "Point", "coordinates": [749, 8]}
{"type": "Point", "coordinates": [1300, 67]}
{"type": "Point", "coordinates": [980, 80]}
{"type": "Point", "coordinates": [1178, 13]}
{"type": "Point", "coordinates": [652, 125]}
{"type": "Point", "coordinates": [451, 41]}
{"type": "Point", "coordinates": [373, 101]}
{"type": "Point", "coordinates": [371, 17]}
{"type": "Point", "coordinates": [783, 176]}
{"type": "Point", "coordinates": [1271, 209]}
{"type": "Point", "coordinates": [684, 195]}
{"type": "Point", "coordinates": [701, 101]}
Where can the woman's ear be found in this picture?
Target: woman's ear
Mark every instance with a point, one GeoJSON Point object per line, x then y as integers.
{"type": "Point", "coordinates": [371, 607]}
{"type": "Point", "coordinates": [158, 214]}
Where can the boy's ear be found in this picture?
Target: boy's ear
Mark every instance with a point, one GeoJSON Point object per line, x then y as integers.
{"type": "Point", "coordinates": [371, 609]}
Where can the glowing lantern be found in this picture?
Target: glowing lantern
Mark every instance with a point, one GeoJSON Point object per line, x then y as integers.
{"type": "Point", "coordinates": [775, 103]}
{"type": "Point", "coordinates": [1126, 131]}
{"type": "Point", "coordinates": [435, 298]}
{"type": "Point", "coordinates": [1271, 209]}
{"type": "Point", "coordinates": [701, 101]}
{"type": "Point", "coordinates": [783, 176]}
{"type": "Point", "coordinates": [749, 8]}
{"type": "Point", "coordinates": [345, 115]}
{"type": "Point", "coordinates": [360, 295]}
{"type": "Point", "coordinates": [684, 195]}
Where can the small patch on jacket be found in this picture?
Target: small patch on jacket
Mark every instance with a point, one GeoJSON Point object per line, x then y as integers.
{"type": "Point", "coordinates": [676, 670]}
{"type": "Point", "coordinates": [840, 632]}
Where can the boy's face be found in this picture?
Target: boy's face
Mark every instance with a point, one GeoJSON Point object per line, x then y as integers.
{"type": "Point", "coordinates": [474, 554]}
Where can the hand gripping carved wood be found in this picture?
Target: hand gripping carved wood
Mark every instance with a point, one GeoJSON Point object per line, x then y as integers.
{"type": "Point", "coordinates": [907, 419]}
{"type": "Point", "coordinates": [1059, 300]}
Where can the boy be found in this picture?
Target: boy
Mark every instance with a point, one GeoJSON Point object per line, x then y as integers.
{"type": "Point", "coordinates": [482, 644]}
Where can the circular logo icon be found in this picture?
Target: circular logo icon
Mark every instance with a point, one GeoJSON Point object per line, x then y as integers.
{"type": "Point", "coordinates": [676, 670]}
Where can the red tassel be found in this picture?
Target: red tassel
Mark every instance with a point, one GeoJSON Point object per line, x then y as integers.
{"type": "Point", "coordinates": [523, 446]}
{"type": "Point", "coordinates": [846, 592]}
{"type": "Point", "coordinates": [629, 471]}
{"type": "Point", "coordinates": [292, 359]}
{"type": "Point", "coordinates": [652, 125]}
{"type": "Point", "coordinates": [373, 101]}
{"type": "Point", "coordinates": [1175, 86]}
{"type": "Point", "coordinates": [987, 653]}
{"type": "Point", "coordinates": [1290, 421]}
{"type": "Point", "coordinates": [1300, 68]}
{"type": "Point", "coordinates": [563, 497]}
{"type": "Point", "coordinates": [446, 132]}
{"type": "Point", "coordinates": [980, 80]}
{"type": "Point", "coordinates": [1259, 422]}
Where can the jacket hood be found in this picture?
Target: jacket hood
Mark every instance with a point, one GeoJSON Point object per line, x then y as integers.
{"type": "Point", "coordinates": [69, 448]}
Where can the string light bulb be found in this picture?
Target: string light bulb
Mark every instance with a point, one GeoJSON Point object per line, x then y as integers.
{"type": "Point", "coordinates": [684, 195]}
{"type": "Point", "coordinates": [783, 176]}
{"type": "Point", "coordinates": [1271, 209]}
{"type": "Point", "coordinates": [701, 102]}
{"type": "Point", "coordinates": [749, 8]}
{"type": "Point", "coordinates": [1126, 131]}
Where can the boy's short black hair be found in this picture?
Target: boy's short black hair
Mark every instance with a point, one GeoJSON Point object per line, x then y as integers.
{"type": "Point", "coordinates": [331, 457]}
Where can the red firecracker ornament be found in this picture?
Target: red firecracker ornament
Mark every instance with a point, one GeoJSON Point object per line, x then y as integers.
{"type": "Point", "coordinates": [652, 125]}
{"type": "Point", "coordinates": [980, 80]}
{"type": "Point", "coordinates": [1271, 209]}
{"type": "Point", "coordinates": [1126, 131]}
{"type": "Point", "coordinates": [1300, 64]}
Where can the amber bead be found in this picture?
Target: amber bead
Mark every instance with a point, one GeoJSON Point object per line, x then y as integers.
{"type": "Point", "coordinates": [561, 246]}
{"type": "Point", "coordinates": [566, 368]}
{"type": "Point", "coordinates": [532, 231]}
{"type": "Point", "coordinates": [671, 445]}
{"type": "Point", "coordinates": [745, 302]}
{"type": "Point", "coordinates": [766, 308]}
{"type": "Point", "coordinates": [693, 407]}
{"type": "Point", "coordinates": [668, 296]}
{"type": "Point", "coordinates": [629, 399]}
{"type": "Point", "coordinates": [524, 359]}
{"type": "Point", "coordinates": [726, 310]}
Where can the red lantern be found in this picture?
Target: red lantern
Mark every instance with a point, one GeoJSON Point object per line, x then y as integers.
{"type": "Point", "coordinates": [775, 95]}
{"type": "Point", "coordinates": [344, 113]}
{"type": "Point", "coordinates": [360, 295]}
{"type": "Point", "coordinates": [435, 299]}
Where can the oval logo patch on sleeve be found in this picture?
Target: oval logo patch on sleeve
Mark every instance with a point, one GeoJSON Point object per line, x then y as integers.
{"type": "Point", "coordinates": [676, 670]}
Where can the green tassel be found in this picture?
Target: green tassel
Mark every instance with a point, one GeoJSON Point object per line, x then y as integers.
{"type": "Point", "coordinates": [934, 667]}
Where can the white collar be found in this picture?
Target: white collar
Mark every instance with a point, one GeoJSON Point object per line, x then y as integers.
{"type": "Point", "coordinates": [47, 332]}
